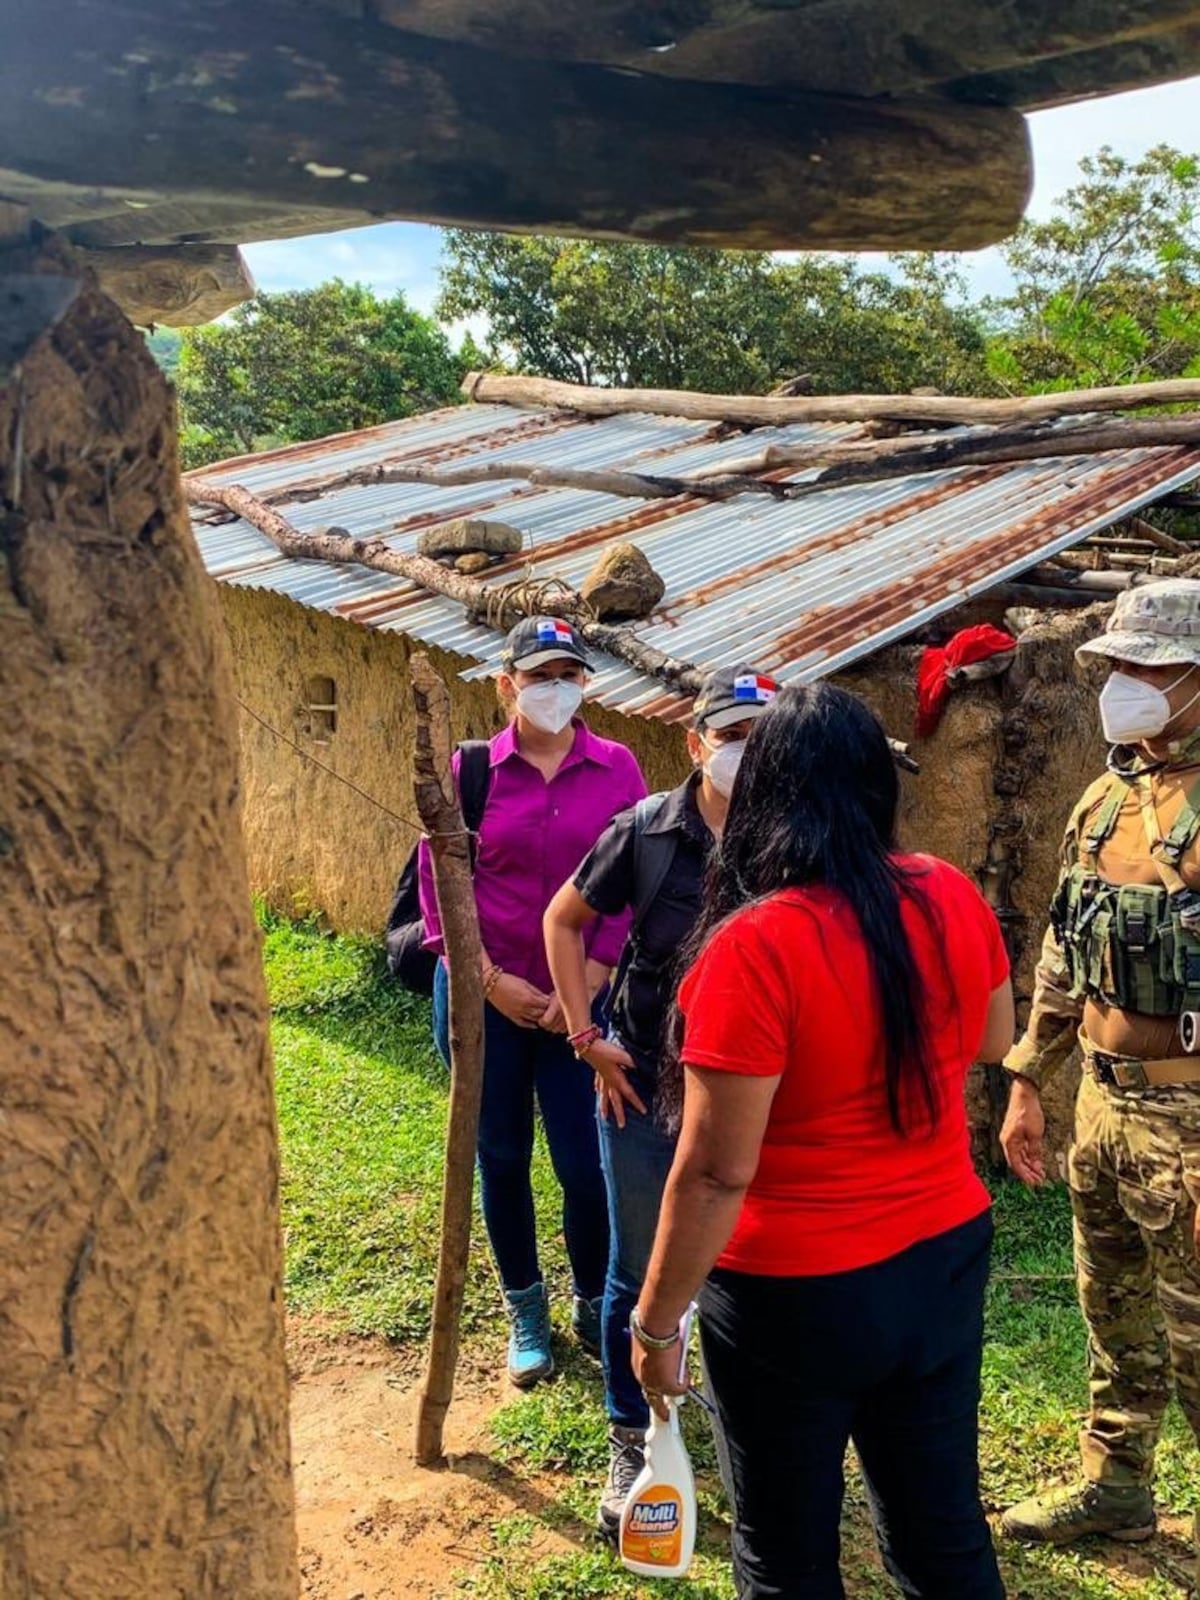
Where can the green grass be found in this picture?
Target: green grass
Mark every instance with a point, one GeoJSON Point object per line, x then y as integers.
{"type": "Point", "coordinates": [362, 1105]}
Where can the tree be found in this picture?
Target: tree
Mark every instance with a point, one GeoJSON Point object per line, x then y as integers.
{"type": "Point", "coordinates": [722, 321]}
{"type": "Point", "coordinates": [308, 363]}
{"type": "Point", "coordinates": [1107, 290]}
{"type": "Point", "coordinates": [165, 345]}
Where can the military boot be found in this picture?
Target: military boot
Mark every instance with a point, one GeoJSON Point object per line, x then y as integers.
{"type": "Point", "coordinates": [626, 1458]}
{"type": "Point", "coordinates": [1060, 1516]}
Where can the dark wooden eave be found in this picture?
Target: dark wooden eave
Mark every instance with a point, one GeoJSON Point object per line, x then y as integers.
{"type": "Point", "coordinates": [842, 124]}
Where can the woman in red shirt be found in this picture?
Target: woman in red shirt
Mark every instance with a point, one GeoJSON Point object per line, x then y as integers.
{"type": "Point", "coordinates": [823, 1191]}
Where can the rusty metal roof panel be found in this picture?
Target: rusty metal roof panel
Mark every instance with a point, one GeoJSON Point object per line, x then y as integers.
{"type": "Point", "coordinates": [800, 587]}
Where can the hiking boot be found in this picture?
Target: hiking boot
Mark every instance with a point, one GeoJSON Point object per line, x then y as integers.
{"type": "Point", "coordinates": [626, 1457]}
{"type": "Point", "coordinates": [529, 1358]}
{"type": "Point", "coordinates": [1059, 1516]}
{"type": "Point", "coordinates": [585, 1322]}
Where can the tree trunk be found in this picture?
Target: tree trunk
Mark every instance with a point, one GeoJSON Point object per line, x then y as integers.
{"type": "Point", "coordinates": [449, 846]}
{"type": "Point", "coordinates": [144, 1445]}
{"type": "Point", "coordinates": [754, 411]}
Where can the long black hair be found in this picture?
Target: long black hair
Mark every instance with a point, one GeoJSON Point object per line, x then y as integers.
{"type": "Point", "coordinates": [815, 803]}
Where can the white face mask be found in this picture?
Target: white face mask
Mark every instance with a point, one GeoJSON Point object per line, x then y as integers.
{"type": "Point", "coordinates": [1131, 710]}
{"type": "Point", "coordinates": [550, 706]}
{"type": "Point", "coordinates": [722, 765]}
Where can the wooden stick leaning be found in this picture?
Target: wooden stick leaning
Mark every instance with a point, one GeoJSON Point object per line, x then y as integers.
{"type": "Point", "coordinates": [501, 607]}
{"type": "Point", "coordinates": [437, 804]}
{"type": "Point", "coordinates": [754, 411]}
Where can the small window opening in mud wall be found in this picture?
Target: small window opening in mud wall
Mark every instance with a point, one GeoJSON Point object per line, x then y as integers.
{"type": "Point", "coordinates": [320, 709]}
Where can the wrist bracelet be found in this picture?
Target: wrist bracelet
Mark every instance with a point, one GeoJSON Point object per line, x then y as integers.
{"type": "Point", "coordinates": [491, 978]}
{"type": "Point", "coordinates": [647, 1340]}
{"type": "Point", "coordinates": [583, 1041]}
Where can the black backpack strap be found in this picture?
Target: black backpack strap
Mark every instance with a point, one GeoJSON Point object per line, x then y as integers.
{"type": "Point", "coordinates": [653, 854]}
{"type": "Point", "coordinates": [474, 781]}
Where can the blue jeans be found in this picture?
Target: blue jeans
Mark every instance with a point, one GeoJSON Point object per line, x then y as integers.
{"type": "Point", "coordinates": [636, 1160]}
{"type": "Point", "coordinates": [519, 1063]}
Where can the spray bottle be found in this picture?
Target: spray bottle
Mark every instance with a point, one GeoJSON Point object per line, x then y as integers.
{"type": "Point", "coordinates": [658, 1522]}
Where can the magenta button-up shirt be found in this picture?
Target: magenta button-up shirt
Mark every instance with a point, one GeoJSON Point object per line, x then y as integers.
{"type": "Point", "coordinates": [533, 836]}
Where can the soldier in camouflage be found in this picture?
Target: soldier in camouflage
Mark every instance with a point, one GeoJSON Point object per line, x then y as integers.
{"type": "Point", "coordinates": [1119, 976]}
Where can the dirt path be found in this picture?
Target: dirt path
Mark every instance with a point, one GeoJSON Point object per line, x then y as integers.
{"type": "Point", "coordinates": [373, 1525]}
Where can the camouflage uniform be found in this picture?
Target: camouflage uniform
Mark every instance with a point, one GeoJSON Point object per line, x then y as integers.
{"type": "Point", "coordinates": [1114, 952]}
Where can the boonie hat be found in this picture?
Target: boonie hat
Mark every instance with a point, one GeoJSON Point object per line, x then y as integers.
{"type": "Point", "coordinates": [732, 694]}
{"type": "Point", "coordinates": [536, 640]}
{"type": "Point", "coordinates": [1156, 624]}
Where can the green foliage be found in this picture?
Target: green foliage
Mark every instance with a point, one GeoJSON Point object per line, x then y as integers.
{"type": "Point", "coordinates": [1108, 289]}
{"type": "Point", "coordinates": [165, 345]}
{"type": "Point", "coordinates": [721, 321]}
{"type": "Point", "coordinates": [308, 363]}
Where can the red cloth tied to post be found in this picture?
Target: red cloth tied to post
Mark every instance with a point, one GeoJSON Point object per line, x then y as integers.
{"type": "Point", "coordinates": [967, 646]}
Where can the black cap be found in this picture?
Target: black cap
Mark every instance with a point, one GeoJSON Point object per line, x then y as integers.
{"type": "Point", "coordinates": [536, 640]}
{"type": "Point", "coordinates": [732, 694]}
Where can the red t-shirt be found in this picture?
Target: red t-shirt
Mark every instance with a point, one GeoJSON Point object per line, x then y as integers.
{"type": "Point", "coordinates": [784, 989]}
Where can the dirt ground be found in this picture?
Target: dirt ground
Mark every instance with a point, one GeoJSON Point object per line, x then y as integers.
{"type": "Point", "coordinates": [372, 1524]}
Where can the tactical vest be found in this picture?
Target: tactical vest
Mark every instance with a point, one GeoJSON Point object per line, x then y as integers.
{"type": "Point", "coordinates": [1132, 945]}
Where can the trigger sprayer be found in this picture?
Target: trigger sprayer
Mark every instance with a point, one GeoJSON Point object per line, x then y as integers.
{"type": "Point", "coordinates": [658, 1520]}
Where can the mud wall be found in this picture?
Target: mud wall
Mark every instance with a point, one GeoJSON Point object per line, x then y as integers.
{"type": "Point", "coordinates": [313, 844]}
{"type": "Point", "coordinates": [998, 777]}
{"type": "Point", "coordinates": [144, 1444]}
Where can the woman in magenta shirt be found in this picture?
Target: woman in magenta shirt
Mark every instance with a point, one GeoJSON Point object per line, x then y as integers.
{"type": "Point", "coordinates": [554, 788]}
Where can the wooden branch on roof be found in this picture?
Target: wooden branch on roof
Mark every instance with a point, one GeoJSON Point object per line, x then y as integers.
{"type": "Point", "coordinates": [857, 462]}
{"type": "Point", "coordinates": [898, 458]}
{"type": "Point", "coordinates": [499, 607]}
{"type": "Point", "coordinates": [756, 411]}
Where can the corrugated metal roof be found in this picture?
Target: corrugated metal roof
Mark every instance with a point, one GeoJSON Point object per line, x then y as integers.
{"type": "Point", "coordinates": [800, 588]}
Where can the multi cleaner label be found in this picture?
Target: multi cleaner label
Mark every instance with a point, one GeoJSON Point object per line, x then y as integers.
{"type": "Point", "coordinates": [653, 1531]}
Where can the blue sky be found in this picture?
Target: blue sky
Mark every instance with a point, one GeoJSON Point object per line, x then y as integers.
{"type": "Point", "coordinates": [404, 255]}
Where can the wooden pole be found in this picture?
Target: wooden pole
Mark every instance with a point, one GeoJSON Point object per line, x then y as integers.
{"type": "Point", "coordinates": [1163, 541]}
{"type": "Point", "coordinates": [775, 410]}
{"type": "Point", "coordinates": [437, 804]}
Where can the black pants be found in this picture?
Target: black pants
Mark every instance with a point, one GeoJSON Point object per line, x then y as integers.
{"type": "Point", "coordinates": [887, 1356]}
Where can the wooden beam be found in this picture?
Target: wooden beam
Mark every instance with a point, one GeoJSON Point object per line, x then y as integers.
{"type": "Point", "coordinates": [757, 411]}
{"type": "Point", "coordinates": [296, 106]}
{"type": "Point", "coordinates": [179, 287]}
{"type": "Point", "coordinates": [856, 47]}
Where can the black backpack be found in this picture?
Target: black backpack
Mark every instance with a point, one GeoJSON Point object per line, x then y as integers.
{"type": "Point", "coordinates": [410, 964]}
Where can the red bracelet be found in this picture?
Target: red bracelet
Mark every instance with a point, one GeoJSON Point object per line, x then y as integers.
{"type": "Point", "coordinates": [583, 1041]}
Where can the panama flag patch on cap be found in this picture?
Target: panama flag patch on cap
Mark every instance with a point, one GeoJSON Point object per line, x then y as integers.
{"type": "Point", "coordinates": [755, 688]}
{"type": "Point", "coordinates": [554, 631]}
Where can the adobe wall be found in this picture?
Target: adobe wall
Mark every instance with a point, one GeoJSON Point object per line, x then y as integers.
{"type": "Point", "coordinates": [313, 844]}
{"type": "Point", "coordinates": [997, 778]}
